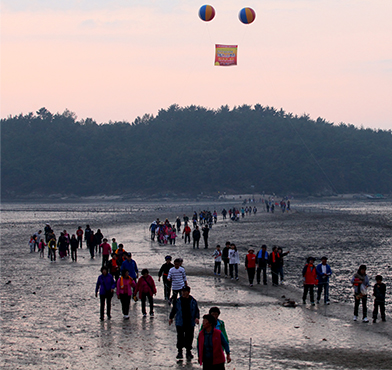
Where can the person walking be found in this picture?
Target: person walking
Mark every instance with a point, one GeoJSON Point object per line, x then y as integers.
{"type": "Point", "coordinates": [234, 260]}
{"type": "Point", "coordinates": [323, 271]}
{"type": "Point", "coordinates": [220, 324]}
{"type": "Point", "coordinates": [52, 249]}
{"type": "Point", "coordinates": [106, 251]}
{"type": "Point", "coordinates": [146, 289]}
{"type": "Point", "coordinates": [114, 245]}
{"type": "Point", "coordinates": [79, 235]}
{"type": "Point", "coordinates": [98, 236]}
{"type": "Point", "coordinates": [274, 265]}
{"type": "Point", "coordinates": [211, 343]}
{"type": "Point", "coordinates": [250, 265]}
{"type": "Point", "coordinates": [32, 243]}
{"type": "Point", "coordinates": [217, 260]}
{"type": "Point", "coordinates": [187, 233]}
{"type": "Point", "coordinates": [186, 312]}
{"type": "Point", "coordinates": [87, 236]}
{"type": "Point", "coordinates": [205, 230]}
{"type": "Point", "coordinates": [196, 237]}
{"type": "Point", "coordinates": [74, 248]}
{"type": "Point", "coordinates": [37, 238]}
{"type": "Point", "coordinates": [379, 291]}
{"type": "Point", "coordinates": [125, 284]}
{"type": "Point", "coordinates": [105, 285]}
{"type": "Point", "coordinates": [281, 254]}
{"type": "Point", "coordinates": [41, 247]}
{"type": "Point", "coordinates": [360, 283]}
{"type": "Point", "coordinates": [225, 257]}
{"type": "Point", "coordinates": [262, 262]}
{"type": "Point", "coordinates": [163, 273]}
{"type": "Point", "coordinates": [62, 245]}
{"type": "Point", "coordinates": [310, 280]}
{"type": "Point", "coordinates": [113, 267]}
{"type": "Point", "coordinates": [91, 243]}
{"type": "Point", "coordinates": [48, 232]}
{"type": "Point", "coordinates": [130, 265]}
{"type": "Point", "coordinates": [177, 278]}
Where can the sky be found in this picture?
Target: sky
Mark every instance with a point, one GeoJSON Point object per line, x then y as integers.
{"type": "Point", "coordinates": [115, 60]}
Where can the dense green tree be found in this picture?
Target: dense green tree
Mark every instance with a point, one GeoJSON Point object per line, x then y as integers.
{"type": "Point", "coordinates": [192, 150]}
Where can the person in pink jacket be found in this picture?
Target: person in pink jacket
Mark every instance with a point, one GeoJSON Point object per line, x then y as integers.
{"type": "Point", "coordinates": [124, 292]}
{"type": "Point", "coordinates": [146, 288]}
{"type": "Point", "coordinates": [106, 251]}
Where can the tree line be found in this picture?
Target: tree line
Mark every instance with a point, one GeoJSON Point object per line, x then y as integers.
{"type": "Point", "coordinates": [192, 150]}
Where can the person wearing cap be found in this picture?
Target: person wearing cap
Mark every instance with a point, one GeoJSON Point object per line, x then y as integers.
{"type": "Point", "coordinates": [186, 312]}
{"type": "Point", "coordinates": [310, 280]}
{"type": "Point", "coordinates": [164, 272]}
{"type": "Point", "coordinates": [130, 265]}
{"type": "Point", "coordinates": [210, 344]}
{"type": "Point", "coordinates": [177, 278]}
{"type": "Point", "coordinates": [323, 271]}
{"type": "Point", "coordinates": [250, 265]}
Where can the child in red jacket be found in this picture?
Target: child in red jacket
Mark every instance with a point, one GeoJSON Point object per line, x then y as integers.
{"type": "Point", "coordinates": [310, 280]}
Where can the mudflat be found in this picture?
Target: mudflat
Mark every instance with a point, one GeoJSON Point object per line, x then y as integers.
{"type": "Point", "coordinates": [50, 316]}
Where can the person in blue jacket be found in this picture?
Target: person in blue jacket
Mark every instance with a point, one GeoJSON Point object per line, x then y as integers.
{"type": "Point", "coordinates": [130, 265]}
{"type": "Point", "coordinates": [105, 285]}
{"type": "Point", "coordinates": [323, 271]}
{"type": "Point", "coordinates": [187, 316]}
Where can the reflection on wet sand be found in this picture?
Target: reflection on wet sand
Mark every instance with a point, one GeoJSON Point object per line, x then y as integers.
{"type": "Point", "coordinates": [50, 317]}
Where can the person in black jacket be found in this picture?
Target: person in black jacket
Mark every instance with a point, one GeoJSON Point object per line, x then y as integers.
{"type": "Point", "coordinates": [87, 235]}
{"type": "Point", "coordinates": [98, 240]}
{"type": "Point", "coordinates": [379, 291]}
{"type": "Point", "coordinates": [74, 247]}
{"type": "Point", "coordinates": [205, 230]}
{"type": "Point", "coordinates": [163, 272]}
{"type": "Point", "coordinates": [225, 257]}
{"type": "Point", "coordinates": [196, 237]}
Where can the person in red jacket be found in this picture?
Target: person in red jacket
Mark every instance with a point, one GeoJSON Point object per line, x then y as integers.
{"type": "Point", "coordinates": [250, 265]}
{"type": "Point", "coordinates": [210, 344]}
{"type": "Point", "coordinates": [146, 288]}
{"type": "Point", "coordinates": [310, 280]}
{"type": "Point", "coordinates": [106, 251]}
{"type": "Point", "coordinates": [187, 232]}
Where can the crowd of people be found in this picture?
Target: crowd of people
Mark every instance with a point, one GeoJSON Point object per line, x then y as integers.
{"type": "Point", "coordinates": [120, 276]}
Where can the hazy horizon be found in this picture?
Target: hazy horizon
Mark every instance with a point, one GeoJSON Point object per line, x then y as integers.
{"type": "Point", "coordinates": [121, 59]}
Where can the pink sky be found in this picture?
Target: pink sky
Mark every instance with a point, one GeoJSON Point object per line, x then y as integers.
{"type": "Point", "coordinates": [117, 60]}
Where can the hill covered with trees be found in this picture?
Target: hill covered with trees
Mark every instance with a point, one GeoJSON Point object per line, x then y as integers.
{"type": "Point", "coordinates": [189, 151]}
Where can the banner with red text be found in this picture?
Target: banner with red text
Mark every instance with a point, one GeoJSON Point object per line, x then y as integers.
{"type": "Point", "coordinates": [226, 55]}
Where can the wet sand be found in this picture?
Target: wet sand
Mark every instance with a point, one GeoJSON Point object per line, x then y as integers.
{"type": "Point", "coordinates": [50, 316]}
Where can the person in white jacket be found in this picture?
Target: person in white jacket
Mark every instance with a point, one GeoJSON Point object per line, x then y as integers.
{"type": "Point", "coordinates": [234, 260]}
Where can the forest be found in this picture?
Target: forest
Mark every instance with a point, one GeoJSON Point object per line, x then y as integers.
{"type": "Point", "coordinates": [189, 151]}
